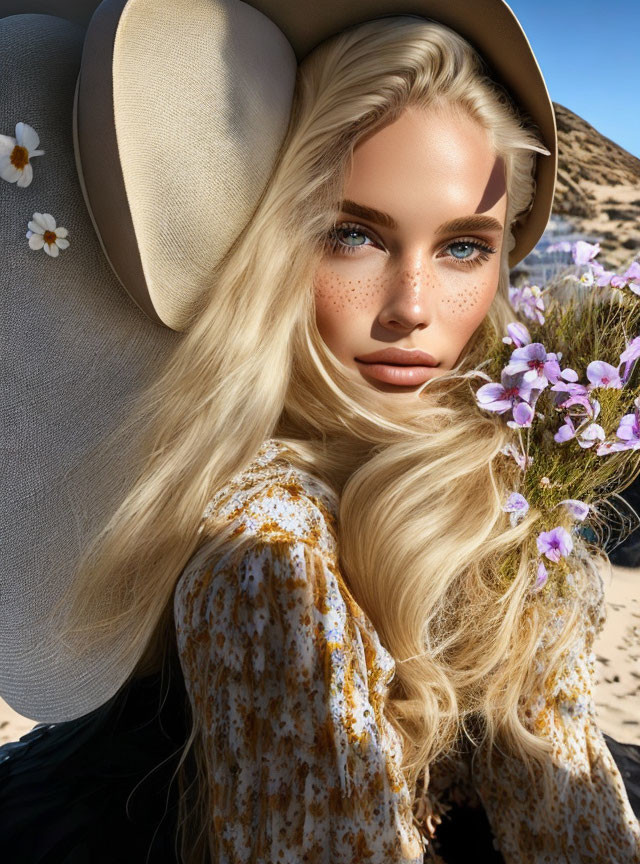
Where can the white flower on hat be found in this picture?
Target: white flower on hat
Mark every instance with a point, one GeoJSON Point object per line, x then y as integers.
{"type": "Point", "coordinates": [15, 154]}
{"type": "Point", "coordinates": [43, 234]}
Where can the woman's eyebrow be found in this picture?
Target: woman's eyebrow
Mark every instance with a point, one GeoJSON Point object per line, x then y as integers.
{"type": "Point", "coordinates": [477, 222]}
{"type": "Point", "coordinates": [369, 213]}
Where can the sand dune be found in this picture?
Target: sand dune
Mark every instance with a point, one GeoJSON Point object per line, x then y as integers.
{"type": "Point", "coordinates": [598, 189]}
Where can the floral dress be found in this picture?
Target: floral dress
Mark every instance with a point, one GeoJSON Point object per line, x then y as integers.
{"type": "Point", "coordinates": [290, 679]}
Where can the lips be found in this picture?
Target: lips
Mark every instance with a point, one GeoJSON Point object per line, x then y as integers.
{"type": "Point", "coordinates": [399, 357]}
{"type": "Point", "coordinates": [402, 367]}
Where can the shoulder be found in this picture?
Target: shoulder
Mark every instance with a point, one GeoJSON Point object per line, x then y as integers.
{"type": "Point", "coordinates": [271, 518]}
{"type": "Point", "coordinates": [271, 500]}
{"type": "Point", "coordinates": [280, 550]}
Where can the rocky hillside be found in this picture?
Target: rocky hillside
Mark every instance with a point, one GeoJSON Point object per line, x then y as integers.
{"type": "Point", "coordinates": [598, 189]}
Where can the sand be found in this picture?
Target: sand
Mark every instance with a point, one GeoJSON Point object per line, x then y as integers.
{"type": "Point", "coordinates": [617, 665]}
{"type": "Point", "coordinates": [617, 652]}
{"type": "Point", "coordinates": [12, 724]}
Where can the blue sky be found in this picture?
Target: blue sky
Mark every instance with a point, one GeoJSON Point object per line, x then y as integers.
{"type": "Point", "coordinates": [588, 53]}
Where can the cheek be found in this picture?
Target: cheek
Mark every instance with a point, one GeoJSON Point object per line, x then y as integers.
{"type": "Point", "coordinates": [340, 300]}
{"type": "Point", "coordinates": [468, 303]}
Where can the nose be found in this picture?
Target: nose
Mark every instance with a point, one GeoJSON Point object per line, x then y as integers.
{"type": "Point", "coordinates": [405, 306]}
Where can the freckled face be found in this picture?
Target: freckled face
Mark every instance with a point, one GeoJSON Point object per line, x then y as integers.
{"type": "Point", "coordinates": [408, 282]}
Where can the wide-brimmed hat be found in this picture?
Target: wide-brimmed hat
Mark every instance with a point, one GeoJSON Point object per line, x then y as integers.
{"type": "Point", "coordinates": [132, 154]}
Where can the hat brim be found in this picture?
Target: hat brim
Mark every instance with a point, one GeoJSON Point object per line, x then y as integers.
{"type": "Point", "coordinates": [493, 30]}
{"type": "Point", "coordinates": [246, 55]}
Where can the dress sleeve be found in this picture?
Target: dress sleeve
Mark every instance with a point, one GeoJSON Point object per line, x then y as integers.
{"type": "Point", "coordinates": [591, 819]}
{"type": "Point", "coordinates": [303, 765]}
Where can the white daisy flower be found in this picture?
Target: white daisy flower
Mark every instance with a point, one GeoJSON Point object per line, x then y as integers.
{"type": "Point", "coordinates": [15, 154]}
{"type": "Point", "coordinates": [43, 233]}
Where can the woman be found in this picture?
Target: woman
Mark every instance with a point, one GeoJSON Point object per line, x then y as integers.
{"type": "Point", "coordinates": [353, 666]}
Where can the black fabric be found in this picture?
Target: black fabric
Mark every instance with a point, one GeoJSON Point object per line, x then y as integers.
{"type": "Point", "coordinates": [64, 787]}
{"type": "Point", "coordinates": [627, 758]}
{"type": "Point", "coordinates": [627, 553]}
{"type": "Point", "coordinates": [465, 836]}
{"type": "Point", "coordinates": [98, 788]}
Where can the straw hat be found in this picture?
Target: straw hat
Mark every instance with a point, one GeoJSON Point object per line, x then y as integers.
{"type": "Point", "coordinates": [144, 143]}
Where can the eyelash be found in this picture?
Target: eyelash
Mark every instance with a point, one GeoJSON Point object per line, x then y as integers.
{"type": "Point", "coordinates": [335, 246]}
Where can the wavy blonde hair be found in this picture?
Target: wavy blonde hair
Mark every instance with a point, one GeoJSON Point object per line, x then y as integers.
{"type": "Point", "coordinates": [252, 365]}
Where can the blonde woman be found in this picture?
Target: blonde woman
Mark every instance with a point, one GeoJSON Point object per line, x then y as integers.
{"type": "Point", "coordinates": [353, 670]}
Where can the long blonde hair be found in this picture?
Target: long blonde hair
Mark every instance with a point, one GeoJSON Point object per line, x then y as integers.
{"type": "Point", "coordinates": [422, 532]}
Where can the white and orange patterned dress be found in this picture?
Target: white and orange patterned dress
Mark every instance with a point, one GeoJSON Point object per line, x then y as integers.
{"type": "Point", "coordinates": [290, 677]}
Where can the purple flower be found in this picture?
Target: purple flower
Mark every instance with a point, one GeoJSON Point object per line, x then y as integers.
{"type": "Point", "coordinates": [555, 544]}
{"type": "Point", "coordinates": [602, 374]}
{"type": "Point", "coordinates": [528, 300]}
{"type": "Point", "coordinates": [628, 434]}
{"type": "Point", "coordinates": [523, 414]}
{"type": "Point", "coordinates": [587, 437]}
{"type": "Point", "coordinates": [583, 252]}
{"type": "Point", "coordinates": [566, 432]}
{"type": "Point", "coordinates": [569, 374]}
{"type": "Point", "coordinates": [597, 274]}
{"type": "Point", "coordinates": [517, 507]}
{"type": "Point", "coordinates": [629, 428]}
{"type": "Point", "coordinates": [590, 435]}
{"type": "Point", "coordinates": [537, 365]}
{"type": "Point", "coordinates": [633, 272]}
{"type": "Point", "coordinates": [541, 577]}
{"type": "Point", "coordinates": [591, 410]}
{"type": "Point", "coordinates": [610, 447]}
{"type": "Point", "coordinates": [502, 397]}
{"type": "Point", "coordinates": [632, 276]}
{"type": "Point", "coordinates": [629, 357]}
{"type": "Point", "coordinates": [632, 351]}
{"type": "Point", "coordinates": [578, 509]}
{"type": "Point", "coordinates": [591, 406]}
{"type": "Point", "coordinates": [518, 335]}
{"type": "Point", "coordinates": [566, 390]}
{"type": "Point", "coordinates": [521, 460]}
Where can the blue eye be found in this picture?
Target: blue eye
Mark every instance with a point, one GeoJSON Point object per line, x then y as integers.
{"type": "Point", "coordinates": [340, 234]}
{"type": "Point", "coordinates": [469, 247]}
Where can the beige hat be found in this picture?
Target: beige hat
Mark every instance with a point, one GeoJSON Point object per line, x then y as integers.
{"type": "Point", "coordinates": [130, 46]}
{"type": "Point", "coordinates": [159, 127]}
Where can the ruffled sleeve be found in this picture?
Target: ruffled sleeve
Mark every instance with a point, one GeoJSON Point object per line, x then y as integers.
{"type": "Point", "coordinates": [304, 765]}
{"type": "Point", "coordinates": [591, 819]}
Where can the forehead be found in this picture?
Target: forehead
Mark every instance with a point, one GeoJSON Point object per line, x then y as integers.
{"type": "Point", "coordinates": [431, 163]}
